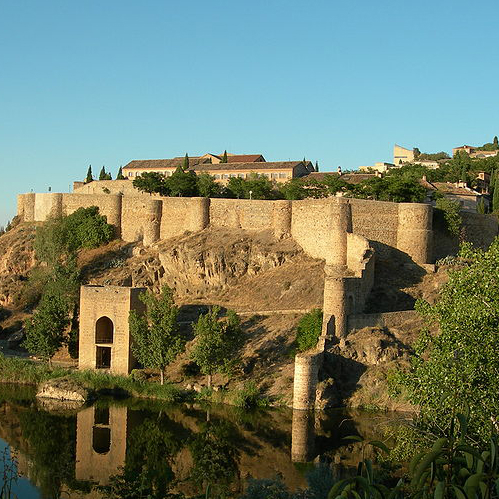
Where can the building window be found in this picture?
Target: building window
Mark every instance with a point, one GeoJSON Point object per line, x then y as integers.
{"type": "Point", "coordinates": [283, 175]}
{"type": "Point", "coordinates": [217, 176]}
{"type": "Point", "coordinates": [104, 330]}
{"type": "Point", "coordinates": [241, 175]}
{"type": "Point", "coordinates": [275, 175]}
{"type": "Point", "coordinates": [232, 175]}
{"type": "Point", "coordinates": [225, 176]}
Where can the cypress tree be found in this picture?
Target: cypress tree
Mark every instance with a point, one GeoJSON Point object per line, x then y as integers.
{"type": "Point", "coordinates": [496, 142]}
{"type": "Point", "coordinates": [89, 177]}
{"type": "Point", "coordinates": [316, 166]}
{"type": "Point", "coordinates": [495, 198]}
{"type": "Point", "coordinates": [102, 174]}
{"type": "Point", "coordinates": [224, 157]}
{"type": "Point", "coordinates": [185, 165]}
{"type": "Point", "coordinates": [120, 175]}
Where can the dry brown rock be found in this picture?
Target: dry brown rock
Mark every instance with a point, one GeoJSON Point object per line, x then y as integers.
{"type": "Point", "coordinates": [64, 389]}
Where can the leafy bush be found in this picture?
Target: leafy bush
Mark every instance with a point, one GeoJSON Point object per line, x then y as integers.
{"type": "Point", "coordinates": [249, 397]}
{"type": "Point", "coordinates": [59, 237]}
{"type": "Point", "coordinates": [309, 330]}
{"type": "Point", "coordinates": [452, 215]}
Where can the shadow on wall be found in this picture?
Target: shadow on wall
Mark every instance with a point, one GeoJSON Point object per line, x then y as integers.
{"type": "Point", "coordinates": [346, 374]}
{"type": "Point", "coordinates": [393, 272]}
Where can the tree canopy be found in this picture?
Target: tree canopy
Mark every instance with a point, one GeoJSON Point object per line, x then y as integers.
{"type": "Point", "coordinates": [217, 340]}
{"type": "Point", "coordinates": [157, 340]}
{"type": "Point", "coordinates": [457, 369]}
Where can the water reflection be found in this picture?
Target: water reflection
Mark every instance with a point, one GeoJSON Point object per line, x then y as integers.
{"type": "Point", "coordinates": [137, 449]}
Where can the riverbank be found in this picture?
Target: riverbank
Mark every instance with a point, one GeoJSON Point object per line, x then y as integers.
{"type": "Point", "coordinates": [23, 371]}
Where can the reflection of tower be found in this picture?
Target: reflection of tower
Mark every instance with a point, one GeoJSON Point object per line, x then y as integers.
{"type": "Point", "coordinates": [100, 442]}
{"type": "Point", "coordinates": [303, 437]}
{"type": "Point", "coordinates": [104, 336]}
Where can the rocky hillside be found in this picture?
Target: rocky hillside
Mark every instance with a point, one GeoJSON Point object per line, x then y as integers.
{"type": "Point", "coordinates": [269, 282]}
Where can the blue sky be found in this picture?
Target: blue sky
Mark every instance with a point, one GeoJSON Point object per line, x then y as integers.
{"type": "Point", "coordinates": [104, 82]}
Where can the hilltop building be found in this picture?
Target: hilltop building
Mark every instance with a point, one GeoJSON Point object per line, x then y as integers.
{"type": "Point", "coordinates": [474, 152]}
{"type": "Point", "coordinates": [238, 165]}
{"type": "Point", "coordinates": [402, 155]}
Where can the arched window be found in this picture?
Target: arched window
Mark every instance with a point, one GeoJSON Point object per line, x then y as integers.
{"type": "Point", "coordinates": [104, 330]}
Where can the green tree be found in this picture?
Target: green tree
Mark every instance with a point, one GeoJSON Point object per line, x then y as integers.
{"type": "Point", "coordinates": [236, 188]}
{"type": "Point", "coordinates": [45, 330]}
{"type": "Point", "coordinates": [185, 164]}
{"type": "Point", "coordinates": [89, 178]}
{"type": "Point", "coordinates": [120, 175]}
{"type": "Point", "coordinates": [182, 183]}
{"type": "Point", "coordinates": [224, 157]}
{"type": "Point", "coordinates": [480, 206]}
{"type": "Point", "coordinates": [157, 340]}
{"type": "Point", "coordinates": [495, 198]}
{"type": "Point", "coordinates": [103, 174]}
{"type": "Point", "coordinates": [293, 189]}
{"type": "Point", "coordinates": [217, 341]}
{"type": "Point", "coordinates": [496, 142]}
{"type": "Point", "coordinates": [456, 369]}
{"type": "Point", "coordinates": [152, 182]}
{"type": "Point", "coordinates": [207, 186]}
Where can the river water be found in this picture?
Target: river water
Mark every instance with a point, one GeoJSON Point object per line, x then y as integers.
{"type": "Point", "coordinates": [137, 447]}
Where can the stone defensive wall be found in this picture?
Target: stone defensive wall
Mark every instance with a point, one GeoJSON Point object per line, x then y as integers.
{"type": "Point", "coordinates": [406, 227]}
{"type": "Point", "coordinates": [345, 233]}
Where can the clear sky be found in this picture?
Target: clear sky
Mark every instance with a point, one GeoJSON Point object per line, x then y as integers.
{"type": "Point", "coordinates": [103, 82]}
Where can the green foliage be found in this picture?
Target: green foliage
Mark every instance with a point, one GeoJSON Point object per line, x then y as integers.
{"type": "Point", "coordinates": [157, 340]}
{"type": "Point", "coordinates": [151, 182]}
{"type": "Point", "coordinates": [60, 237]}
{"type": "Point", "coordinates": [452, 215]}
{"type": "Point", "coordinates": [120, 175]}
{"type": "Point", "coordinates": [217, 341]}
{"type": "Point", "coordinates": [215, 452]}
{"type": "Point", "coordinates": [451, 468]}
{"type": "Point", "coordinates": [249, 396]}
{"type": "Point", "coordinates": [45, 330]}
{"type": "Point", "coordinates": [103, 175]}
{"type": "Point", "coordinates": [224, 158]}
{"type": "Point", "coordinates": [495, 198]}
{"type": "Point", "coordinates": [89, 178]}
{"type": "Point", "coordinates": [480, 207]}
{"type": "Point", "coordinates": [185, 164]}
{"type": "Point", "coordinates": [309, 330]}
{"type": "Point", "coordinates": [458, 367]}
{"type": "Point", "coordinates": [207, 187]}
{"type": "Point", "coordinates": [182, 183]}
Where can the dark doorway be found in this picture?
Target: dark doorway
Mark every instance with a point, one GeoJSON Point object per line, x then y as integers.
{"type": "Point", "coordinates": [104, 330]}
{"type": "Point", "coordinates": [101, 439]}
{"type": "Point", "coordinates": [103, 358]}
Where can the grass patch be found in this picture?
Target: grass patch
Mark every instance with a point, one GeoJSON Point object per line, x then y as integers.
{"type": "Point", "coordinates": [27, 372]}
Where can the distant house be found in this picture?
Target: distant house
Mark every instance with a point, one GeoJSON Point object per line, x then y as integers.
{"type": "Point", "coordinates": [238, 165]}
{"type": "Point", "coordinates": [474, 152]}
{"type": "Point", "coordinates": [467, 197]}
{"type": "Point", "coordinates": [380, 166]}
{"type": "Point", "coordinates": [466, 149]}
{"type": "Point", "coordinates": [279, 171]}
{"type": "Point", "coordinates": [402, 155]}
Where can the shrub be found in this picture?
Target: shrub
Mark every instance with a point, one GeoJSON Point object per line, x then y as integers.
{"type": "Point", "coordinates": [452, 216]}
{"type": "Point", "coordinates": [309, 330]}
{"type": "Point", "coordinates": [249, 397]}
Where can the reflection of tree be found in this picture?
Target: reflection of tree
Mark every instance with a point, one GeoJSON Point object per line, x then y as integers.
{"type": "Point", "coordinates": [147, 472]}
{"type": "Point", "coordinates": [51, 449]}
{"type": "Point", "coordinates": [215, 452]}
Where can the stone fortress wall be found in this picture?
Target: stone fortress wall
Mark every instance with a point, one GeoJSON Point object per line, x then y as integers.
{"type": "Point", "coordinates": [345, 233]}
